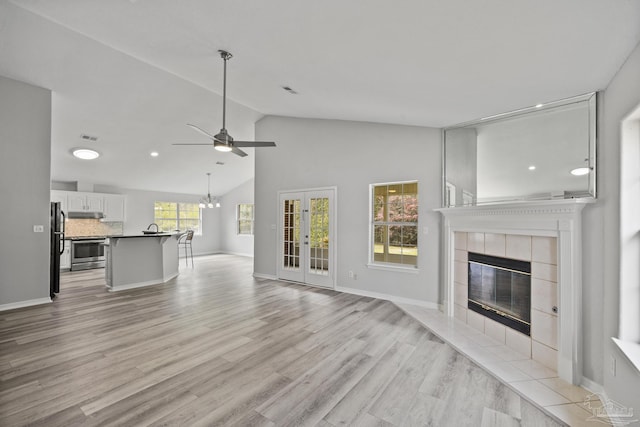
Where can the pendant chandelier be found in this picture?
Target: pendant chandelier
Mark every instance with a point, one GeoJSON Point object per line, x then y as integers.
{"type": "Point", "coordinates": [209, 202]}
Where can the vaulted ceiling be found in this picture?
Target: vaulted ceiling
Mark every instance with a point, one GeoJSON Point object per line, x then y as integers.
{"type": "Point", "coordinates": [134, 72]}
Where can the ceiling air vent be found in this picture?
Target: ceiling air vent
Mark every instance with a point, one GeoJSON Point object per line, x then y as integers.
{"type": "Point", "coordinates": [89, 137]}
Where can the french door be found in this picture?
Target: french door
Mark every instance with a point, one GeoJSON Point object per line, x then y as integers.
{"type": "Point", "coordinates": [307, 237]}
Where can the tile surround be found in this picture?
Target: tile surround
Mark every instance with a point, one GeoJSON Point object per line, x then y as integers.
{"type": "Point", "coordinates": [494, 244]}
{"type": "Point", "coordinates": [559, 219]}
{"type": "Point", "coordinates": [542, 253]}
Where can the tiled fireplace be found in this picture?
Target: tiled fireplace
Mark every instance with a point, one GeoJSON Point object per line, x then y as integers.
{"type": "Point", "coordinates": [548, 235]}
{"type": "Point", "coordinates": [538, 252]}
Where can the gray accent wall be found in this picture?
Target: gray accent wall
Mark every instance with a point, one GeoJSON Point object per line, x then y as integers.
{"type": "Point", "coordinates": [314, 153]}
{"type": "Point", "coordinates": [25, 158]}
{"type": "Point", "coordinates": [621, 97]}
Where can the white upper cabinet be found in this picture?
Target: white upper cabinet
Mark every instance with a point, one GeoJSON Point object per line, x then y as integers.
{"type": "Point", "coordinates": [94, 202]}
{"type": "Point", "coordinates": [61, 197]}
{"type": "Point", "coordinates": [113, 207]}
{"type": "Point", "coordinates": [85, 202]}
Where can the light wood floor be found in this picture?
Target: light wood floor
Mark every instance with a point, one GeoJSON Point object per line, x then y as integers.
{"type": "Point", "coordinates": [217, 347]}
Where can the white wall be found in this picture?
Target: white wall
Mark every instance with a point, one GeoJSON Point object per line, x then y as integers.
{"type": "Point", "coordinates": [25, 158]}
{"type": "Point", "coordinates": [230, 241]}
{"type": "Point", "coordinates": [621, 97]}
{"type": "Point", "coordinates": [351, 155]}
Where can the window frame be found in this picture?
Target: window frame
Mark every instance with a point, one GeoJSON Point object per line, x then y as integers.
{"type": "Point", "coordinates": [177, 216]}
{"type": "Point", "coordinates": [380, 265]}
{"type": "Point", "coordinates": [251, 220]}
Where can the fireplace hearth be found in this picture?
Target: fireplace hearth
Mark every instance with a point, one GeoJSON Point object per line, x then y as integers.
{"type": "Point", "coordinates": [500, 289]}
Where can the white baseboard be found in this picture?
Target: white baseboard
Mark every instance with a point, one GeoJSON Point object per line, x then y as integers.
{"type": "Point", "coordinates": [592, 386]}
{"type": "Point", "coordinates": [27, 303]}
{"type": "Point", "coordinates": [181, 255]}
{"type": "Point", "coordinates": [264, 276]}
{"type": "Point", "coordinates": [388, 297]}
{"type": "Point", "coordinates": [237, 253]}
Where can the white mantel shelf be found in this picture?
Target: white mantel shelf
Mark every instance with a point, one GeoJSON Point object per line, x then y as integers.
{"type": "Point", "coordinates": [543, 208]}
{"type": "Point", "coordinates": [560, 218]}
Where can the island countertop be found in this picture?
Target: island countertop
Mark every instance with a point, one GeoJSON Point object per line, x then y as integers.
{"type": "Point", "coordinates": [129, 236]}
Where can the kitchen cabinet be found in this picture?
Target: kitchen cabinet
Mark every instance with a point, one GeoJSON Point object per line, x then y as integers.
{"type": "Point", "coordinates": [65, 257]}
{"type": "Point", "coordinates": [61, 197]}
{"type": "Point", "coordinates": [113, 207]}
{"type": "Point", "coordinates": [85, 202]}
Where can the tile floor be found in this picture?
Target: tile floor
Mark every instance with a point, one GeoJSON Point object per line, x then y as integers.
{"type": "Point", "coordinates": [532, 380]}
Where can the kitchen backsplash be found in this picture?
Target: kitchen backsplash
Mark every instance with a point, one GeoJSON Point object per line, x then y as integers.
{"type": "Point", "coordinates": [92, 227]}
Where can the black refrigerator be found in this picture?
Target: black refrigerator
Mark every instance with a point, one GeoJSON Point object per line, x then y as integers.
{"type": "Point", "coordinates": [57, 247]}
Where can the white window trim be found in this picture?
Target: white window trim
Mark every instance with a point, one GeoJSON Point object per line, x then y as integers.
{"type": "Point", "coordinates": [253, 220]}
{"type": "Point", "coordinates": [200, 220]}
{"type": "Point", "coordinates": [398, 268]}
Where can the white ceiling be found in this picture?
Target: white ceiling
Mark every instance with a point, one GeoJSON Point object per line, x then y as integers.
{"type": "Point", "coordinates": [133, 72]}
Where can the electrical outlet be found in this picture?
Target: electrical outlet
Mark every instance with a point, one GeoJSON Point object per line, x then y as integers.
{"type": "Point", "coordinates": [613, 366]}
{"type": "Point", "coordinates": [350, 274]}
{"type": "Point", "coordinates": [38, 228]}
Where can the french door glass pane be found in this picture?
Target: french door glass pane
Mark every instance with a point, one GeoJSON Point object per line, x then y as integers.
{"type": "Point", "coordinates": [319, 236]}
{"type": "Point", "coordinates": [291, 230]}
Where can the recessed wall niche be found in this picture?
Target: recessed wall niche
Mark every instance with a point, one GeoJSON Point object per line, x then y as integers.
{"type": "Point", "coordinates": [542, 152]}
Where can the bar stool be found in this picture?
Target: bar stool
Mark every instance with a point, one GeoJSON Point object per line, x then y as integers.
{"type": "Point", "coordinates": [185, 242]}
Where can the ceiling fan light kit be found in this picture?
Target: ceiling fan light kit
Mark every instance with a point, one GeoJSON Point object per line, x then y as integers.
{"type": "Point", "coordinates": [223, 141]}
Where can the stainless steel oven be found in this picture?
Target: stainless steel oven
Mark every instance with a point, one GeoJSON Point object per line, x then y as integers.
{"type": "Point", "coordinates": [87, 253]}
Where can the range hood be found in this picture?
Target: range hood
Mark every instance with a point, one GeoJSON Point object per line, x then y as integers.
{"type": "Point", "coordinates": [84, 215]}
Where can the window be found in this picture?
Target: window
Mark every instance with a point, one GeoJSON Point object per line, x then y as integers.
{"type": "Point", "coordinates": [394, 224]}
{"type": "Point", "coordinates": [244, 216]}
{"type": "Point", "coordinates": [177, 216]}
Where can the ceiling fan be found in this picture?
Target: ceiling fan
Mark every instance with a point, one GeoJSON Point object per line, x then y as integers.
{"type": "Point", "coordinates": [223, 141]}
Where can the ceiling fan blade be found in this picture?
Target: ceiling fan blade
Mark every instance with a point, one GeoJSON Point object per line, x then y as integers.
{"type": "Point", "coordinates": [204, 132]}
{"type": "Point", "coordinates": [188, 143]}
{"type": "Point", "coordinates": [239, 152]}
{"type": "Point", "coordinates": [254, 143]}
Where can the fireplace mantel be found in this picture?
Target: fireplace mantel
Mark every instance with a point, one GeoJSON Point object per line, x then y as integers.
{"type": "Point", "coordinates": [554, 218]}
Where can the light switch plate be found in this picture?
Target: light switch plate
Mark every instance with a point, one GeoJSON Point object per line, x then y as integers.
{"type": "Point", "coordinates": [38, 228]}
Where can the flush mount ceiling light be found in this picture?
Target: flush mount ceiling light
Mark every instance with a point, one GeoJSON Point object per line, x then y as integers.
{"type": "Point", "coordinates": [208, 202]}
{"type": "Point", "coordinates": [85, 153]}
{"type": "Point", "coordinates": [154, 154]}
{"type": "Point", "coordinates": [579, 171]}
{"type": "Point", "coordinates": [532, 168]}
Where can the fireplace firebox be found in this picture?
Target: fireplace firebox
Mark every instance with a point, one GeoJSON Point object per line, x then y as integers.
{"type": "Point", "coordinates": [500, 289]}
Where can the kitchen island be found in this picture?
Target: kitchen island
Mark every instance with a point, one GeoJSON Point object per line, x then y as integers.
{"type": "Point", "coordinates": [134, 261]}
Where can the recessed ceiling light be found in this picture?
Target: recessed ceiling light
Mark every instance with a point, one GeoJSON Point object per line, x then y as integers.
{"type": "Point", "coordinates": [539, 105]}
{"type": "Point", "coordinates": [580, 171]}
{"type": "Point", "coordinates": [85, 154]}
{"type": "Point", "coordinates": [532, 168]}
{"type": "Point", "coordinates": [154, 154]}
